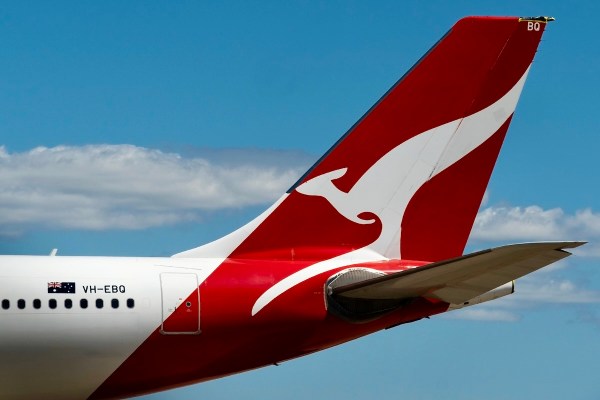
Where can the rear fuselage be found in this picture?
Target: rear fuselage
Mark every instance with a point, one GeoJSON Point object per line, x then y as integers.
{"type": "Point", "coordinates": [75, 327]}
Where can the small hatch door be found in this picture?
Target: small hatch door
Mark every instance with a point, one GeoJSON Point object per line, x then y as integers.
{"type": "Point", "coordinates": [180, 303]}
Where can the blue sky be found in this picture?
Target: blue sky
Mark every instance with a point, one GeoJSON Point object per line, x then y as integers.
{"type": "Point", "coordinates": [214, 109]}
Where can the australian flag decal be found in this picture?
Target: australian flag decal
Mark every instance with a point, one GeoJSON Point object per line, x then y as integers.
{"type": "Point", "coordinates": [61, 287]}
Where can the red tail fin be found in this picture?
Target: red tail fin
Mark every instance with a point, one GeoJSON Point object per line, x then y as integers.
{"type": "Point", "coordinates": [407, 179]}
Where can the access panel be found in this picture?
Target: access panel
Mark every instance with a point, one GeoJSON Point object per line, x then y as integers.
{"type": "Point", "coordinates": [180, 303]}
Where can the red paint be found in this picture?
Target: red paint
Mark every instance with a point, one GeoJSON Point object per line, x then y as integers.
{"type": "Point", "coordinates": [436, 230]}
{"type": "Point", "coordinates": [231, 341]}
{"type": "Point", "coordinates": [306, 228]}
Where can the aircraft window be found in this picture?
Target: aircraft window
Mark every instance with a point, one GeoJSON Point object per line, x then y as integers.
{"type": "Point", "coordinates": [37, 303]}
{"type": "Point", "coordinates": [5, 304]}
{"type": "Point", "coordinates": [114, 303]}
{"type": "Point", "coordinates": [21, 304]}
{"type": "Point", "coordinates": [99, 303]}
{"type": "Point", "coordinates": [52, 303]}
{"type": "Point", "coordinates": [68, 303]}
{"type": "Point", "coordinates": [83, 303]}
{"type": "Point", "coordinates": [130, 303]}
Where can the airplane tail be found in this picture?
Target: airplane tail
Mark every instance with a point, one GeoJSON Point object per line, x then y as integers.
{"type": "Point", "coordinates": [408, 178]}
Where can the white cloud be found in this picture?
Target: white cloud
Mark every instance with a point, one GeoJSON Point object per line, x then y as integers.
{"type": "Point", "coordinates": [554, 291]}
{"type": "Point", "coordinates": [534, 223]}
{"type": "Point", "coordinates": [130, 187]}
{"type": "Point", "coordinates": [533, 291]}
{"type": "Point", "coordinates": [516, 223]}
{"type": "Point", "coordinates": [480, 313]}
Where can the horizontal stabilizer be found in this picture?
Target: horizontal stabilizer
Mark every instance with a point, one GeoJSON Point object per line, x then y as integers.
{"type": "Point", "coordinates": [460, 279]}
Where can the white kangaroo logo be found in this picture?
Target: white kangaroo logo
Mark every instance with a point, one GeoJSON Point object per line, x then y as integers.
{"type": "Point", "coordinates": [387, 187]}
{"type": "Point", "coordinates": [344, 203]}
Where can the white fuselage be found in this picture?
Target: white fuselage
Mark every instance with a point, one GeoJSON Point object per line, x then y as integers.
{"type": "Point", "coordinates": [37, 326]}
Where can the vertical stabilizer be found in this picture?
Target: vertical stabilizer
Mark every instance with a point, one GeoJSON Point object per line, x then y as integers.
{"type": "Point", "coordinates": [407, 179]}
